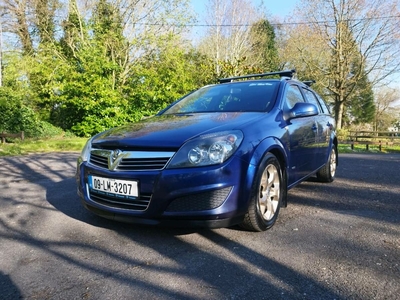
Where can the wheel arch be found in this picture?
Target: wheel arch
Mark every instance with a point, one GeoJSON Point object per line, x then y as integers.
{"type": "Point", "coordinates": [335, 144]}
{"type": "Point", "coordinates": [274, 146]}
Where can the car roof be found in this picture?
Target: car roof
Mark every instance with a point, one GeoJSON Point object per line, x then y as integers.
{"type": "Point", "coordinates": [284, 75]}
{"type": "Point", "coordinates": [287, 73]}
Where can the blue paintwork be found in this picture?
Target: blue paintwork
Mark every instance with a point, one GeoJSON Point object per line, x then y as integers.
{"type": "Point", "coordinates": [300, 138]}
{"type": "Point", "coordinates": [170, 131]}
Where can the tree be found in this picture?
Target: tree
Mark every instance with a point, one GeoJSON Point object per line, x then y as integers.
{"type": "Point", "coordinates": [75, 33]}
{"type": "Point", "coordinates": [166, 76]}
{"type": "Point", "coordinates": [106, 63]}
{"type": "Point", "coordinates": [109, 79]}
{"type": "Point", "coordinates": [16, 21]}
{"type": "Point", "coordinates": [228, 38]}
{"type": "Point", "coordinates": [361, 105]}
{"type": "Point", "coordinates": [44, 11]}
{"type": "Point", "coordinates": [386, 114]}
{"type": "Point", "coordinates": [263, 54]}
{"type": "Point", "coordinates": [31, 21]}
{"type": "Point", "coordinates": [108, 31]}
{"type": "Point", "coordinates": [349, 31]}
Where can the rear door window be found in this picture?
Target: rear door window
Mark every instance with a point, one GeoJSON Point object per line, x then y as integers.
{"type": "Point", "coordinates": [325, 108]}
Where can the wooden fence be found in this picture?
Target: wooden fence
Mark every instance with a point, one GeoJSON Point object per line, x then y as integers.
{"type": "Point", "coordinates": [367, 138]}
{"type": "Point", "coordinates": [3, 136]}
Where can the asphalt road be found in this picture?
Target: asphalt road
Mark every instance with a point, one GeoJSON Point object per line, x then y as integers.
{"type": "Point", "coordinates": [333, 241]}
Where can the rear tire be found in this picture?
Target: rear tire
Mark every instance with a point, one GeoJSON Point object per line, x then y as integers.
{"type": "Point", "coordinates": [327, 172]}
{"type": "Point", "coordinates": [266, 195]}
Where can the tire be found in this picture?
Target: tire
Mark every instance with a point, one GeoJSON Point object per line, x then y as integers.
{"type": "Point", "coordinates": [266, 195]}
{"type": "Point", "coordinates": [327, 172]}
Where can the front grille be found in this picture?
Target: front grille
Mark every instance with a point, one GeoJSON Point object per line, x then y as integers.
{"type": "Point", "coordinates": [202, 201]}
{"type": "Point", "coordinates": [116, 201]}
{"type": "Point", "coordinates": [137, 164]}
{"type": "Point", "coordinates": [98, 160]}
{"type": "Point", "coordinates": [129, 160]}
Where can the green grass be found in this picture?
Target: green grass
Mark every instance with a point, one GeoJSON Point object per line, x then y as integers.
{"type": "Point", "coordinates": [345, 148]}
{"type": "Point", "coordinates": [65, 144]}
{"type": "Point", "coordinates": [62, 144]}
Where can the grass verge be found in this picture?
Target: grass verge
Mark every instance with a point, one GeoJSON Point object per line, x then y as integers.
{"type": "Point", "coordinates": [27, 146]}
{"type": "Point", "coordinates": [65, 144]}
{"type": "Point", "coordinates": [345, 148]}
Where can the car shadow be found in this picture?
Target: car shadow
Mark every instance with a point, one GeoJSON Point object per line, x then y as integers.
{"type": "Point", "coordinates": [229, 263]}
{"type": "Point", "coordinates": [8, 290]}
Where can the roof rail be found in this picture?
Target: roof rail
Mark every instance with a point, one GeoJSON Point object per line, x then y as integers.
{"type": "Point", "coordinates": [309, 82]}
{"type": "Point", "coordinates": [287, 73]}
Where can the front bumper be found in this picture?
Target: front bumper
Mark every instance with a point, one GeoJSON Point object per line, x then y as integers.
{"type": "Point", "coordinates": [213, 196]}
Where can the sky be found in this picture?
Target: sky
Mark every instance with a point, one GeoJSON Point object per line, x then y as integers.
{"type": "Point", "coordinates": [278, 8]}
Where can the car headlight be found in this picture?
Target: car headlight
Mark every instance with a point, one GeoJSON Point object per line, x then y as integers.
{"type": "Point", "coordinates": [85, 152]}
{"type": "Point", "coordinates": [209, 149]}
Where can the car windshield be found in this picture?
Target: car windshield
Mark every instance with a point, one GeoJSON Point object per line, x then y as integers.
{"type": "Point", "coordinates": [246, 96]}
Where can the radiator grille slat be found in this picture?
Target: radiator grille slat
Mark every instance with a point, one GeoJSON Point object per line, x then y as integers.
{"type": "Point", "coordinates": [129, 160]}
{"type": "Point", "coordinates": [130, 164]}
{"type": "Point", "coordinates": [99, 161]}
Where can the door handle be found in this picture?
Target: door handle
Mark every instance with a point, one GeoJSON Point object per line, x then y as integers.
{"type": "Point", "coordinates": [314, 127]}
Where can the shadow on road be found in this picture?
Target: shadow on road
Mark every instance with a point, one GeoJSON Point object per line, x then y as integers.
{"type": "Point", "coordinates": [8, 290]}
{"type": "Point", "coordinates": [224, 264]}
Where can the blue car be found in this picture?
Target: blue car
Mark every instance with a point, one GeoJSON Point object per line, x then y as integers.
{"type": "Point", "coordinates": [223, 155]}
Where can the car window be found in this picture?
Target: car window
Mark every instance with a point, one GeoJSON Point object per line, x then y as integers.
{"type": "Point", "coordinates": [325, 108]}
{"type": "Point", "coordinates": [293, 95]}
{"type": "Point", "coordinates": [312, 98]}
{"type": "Point", "coordinates": [257, 96]}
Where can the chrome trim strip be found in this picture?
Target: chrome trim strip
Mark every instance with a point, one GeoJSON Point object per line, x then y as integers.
{"type": "Point", "coordinates": [115, 157]}
{"type": "Point", "coordinates": [134, 154]}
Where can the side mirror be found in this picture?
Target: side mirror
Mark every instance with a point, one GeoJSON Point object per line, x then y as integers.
{"type": "Point", "coordinates": [301, 110]}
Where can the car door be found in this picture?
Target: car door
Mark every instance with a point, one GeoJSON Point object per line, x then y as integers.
{"type": "Point", "coordinates": [328, 127]}
{"type": "Point", "coordinates": [321, 130]}
{"type": "Point", "coordinates": [302, 137]}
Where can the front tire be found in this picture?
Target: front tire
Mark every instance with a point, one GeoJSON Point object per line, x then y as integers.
{"type": "Point", "coordinates": [266, 195]}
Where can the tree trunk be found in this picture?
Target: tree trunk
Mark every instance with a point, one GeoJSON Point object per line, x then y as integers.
{"type": "Point", "coordinates": [339, 109]}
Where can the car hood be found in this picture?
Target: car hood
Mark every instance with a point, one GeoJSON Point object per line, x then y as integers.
{"type": "Point", "coordinates": [171, 131]}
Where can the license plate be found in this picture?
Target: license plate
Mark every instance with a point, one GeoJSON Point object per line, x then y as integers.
{"type": "Point", "coordinates": [111, 186]}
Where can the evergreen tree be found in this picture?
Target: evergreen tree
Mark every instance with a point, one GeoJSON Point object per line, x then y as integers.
{"type": "Point", "coordinates": [107, 27]}
{"type": "Point", "coordinates": [263, 51]}
{"type": "Point", "coordinates": [45, 19]}
{"type": "Point", "coordinates": [361, 103]}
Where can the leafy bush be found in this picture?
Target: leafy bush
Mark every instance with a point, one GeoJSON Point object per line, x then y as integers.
{"type": "Point", "coordinates": [16, 116]}
{"type": "Point", "coordinates": [48, 130]}
{"type": "Point", "coordinates": [342, 134]}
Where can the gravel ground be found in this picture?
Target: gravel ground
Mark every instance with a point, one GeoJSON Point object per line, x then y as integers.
{"type": "Point", "coordinates": [333, 241]}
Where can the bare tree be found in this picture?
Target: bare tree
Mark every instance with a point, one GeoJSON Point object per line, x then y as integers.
{"type": "Point", "coordinates": [386, 114]}
{"type": "Point", "coordinates": [339, 42]}
{"type": "Point", "coordinates": [16, 18]}
{"type": "Point", "coordinates": [229, 32]}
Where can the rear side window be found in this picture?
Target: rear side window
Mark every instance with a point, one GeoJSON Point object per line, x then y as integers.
{"type": "Point", "coordinates": [325, 108]}
{"type": "Point", "coordinates": [312, 98]}
{"type": "Point", "coordinates": [293, 95]}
